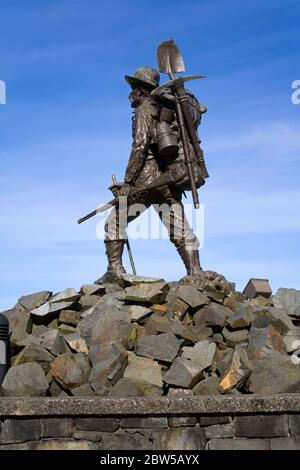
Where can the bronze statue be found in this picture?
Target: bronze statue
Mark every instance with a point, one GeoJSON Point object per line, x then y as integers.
{"type": "Point", "coordinates": [165, 160]}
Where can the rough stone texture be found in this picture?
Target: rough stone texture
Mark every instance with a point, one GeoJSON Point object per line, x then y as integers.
{"type": "Point", "coordinates": [202, 353]}
{"type": "Point", "coordinates": [91, 289]}
{"type": "Point", "coordinates": [183, 373]}
{"type": "Point", "coordinates": [294, 425]}
{"type": "Point", "coordinates": [97, 424]}
{"type": "Point", "coordinates": [138, 312]}
{"type": "Point", "coordinates": [20, 325]}
{"type": "Point", "coordinates": [165, 325]}
{"type": "Point", "coordinates": [83, 391]}
{"type": "Point", "coordinates": [292, 340]}
{"type": "Point", "coordinates": [284, 443]}
{"type": "Point", "coordinates": [219, 431]}
{"type": "Point", "coordinates": [20, 430]}
{"type": "Point", "coordinates": [71, 370]}
{"type": "Point", "coordinates": [180, 439]}
{"type": "Point", "coordinates": [208, 386]}
{"type": "Point", "coordinates": [69, 317]}
{"type": "Point", "coordinates": [127, 387]}
{"type": "Point", "coordinates": [35, 353]}
{"type": "Point", "coordinates": [164, 347]}
{"type": "Point", "coordinates": [192, 296]}
{"type": "Point", "coordinates": [31, 301]}
{"type": "Point", "coordinates": [234, 338]}
{"type": "Point", "coordinates": [288, 300]}
{"type": "Point", "coordinates": [238, 444]}
{"type": "Point", "coordinates": [262, 339]}
{"type": "Point", "coordinates": [262, 318]}
{"type": "Point", "coordinates": [26, 380]}
{"type": "Point", "coordinates": [182, 421]}
{"type": "Point", "coordinates": [67, 295]}
{"type": "Point", "coordinates": [76, 343]}
{"type": "Point", "coordinates": [261, 426]}
{"type": "Point", "coordinates": [274, 373]}
{"type": "Point", "coordinates": [213, 316]}
{"type": "Point", "coordinates": [150, 293]}
{"type": "Point", "coordinates": [56, 427]}
{"type": "Point", "coordinates": [49, 310]}
{"type": "Point", "coordinates": [142, 368]}
{"type": "Point", "coordinates": [151, 423]}
{"type": "Point", "coordinates": [237, 372]}
{"type": "Point", "coordinates": [213, 420]}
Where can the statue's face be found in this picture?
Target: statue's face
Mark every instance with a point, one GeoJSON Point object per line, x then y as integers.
{"type": "Point", "coordinates": [136, 97]}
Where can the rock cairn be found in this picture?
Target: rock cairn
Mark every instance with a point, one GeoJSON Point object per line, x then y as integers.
{"type": "Point", "coordinates": [150, 338]}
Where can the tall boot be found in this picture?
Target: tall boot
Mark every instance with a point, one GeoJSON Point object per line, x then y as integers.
{"type": "Point", "coordinates": [115, 268]}
{"type": "Point", "coordinates": [190, 258]}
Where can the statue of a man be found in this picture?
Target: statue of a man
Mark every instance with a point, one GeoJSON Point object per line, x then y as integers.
{"type": "Point", "coordinates": [144, 167]}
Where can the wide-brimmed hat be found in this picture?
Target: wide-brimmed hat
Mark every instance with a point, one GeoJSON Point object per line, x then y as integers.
{"type": "Point", "coordinates": [144, 76]}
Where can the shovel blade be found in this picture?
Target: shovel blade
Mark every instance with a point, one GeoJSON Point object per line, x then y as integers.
{"type": "Point", "coordinates": [169, 58]}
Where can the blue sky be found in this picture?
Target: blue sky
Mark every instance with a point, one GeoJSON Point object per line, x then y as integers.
{"type": "Point", "coordinates": [66, 128]}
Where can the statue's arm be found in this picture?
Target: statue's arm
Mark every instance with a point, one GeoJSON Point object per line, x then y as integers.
{"type": "Point", "coordinates": [140, 146]}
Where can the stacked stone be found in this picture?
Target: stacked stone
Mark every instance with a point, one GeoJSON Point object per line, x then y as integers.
{"type": "Point", "coordinates": [150, 338]}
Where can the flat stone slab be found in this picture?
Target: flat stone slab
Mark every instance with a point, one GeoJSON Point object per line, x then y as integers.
{"type": "Point", "coordinates": [187, 405]}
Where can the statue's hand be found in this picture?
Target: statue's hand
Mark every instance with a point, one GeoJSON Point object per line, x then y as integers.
{"type": "Point", "coordinates": [124, 190]}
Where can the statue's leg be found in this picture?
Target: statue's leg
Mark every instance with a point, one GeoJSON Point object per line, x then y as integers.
{"type": "Point", "coordinates": [172, 215]}
{"type": "Point", "coordinates": [115, 238]}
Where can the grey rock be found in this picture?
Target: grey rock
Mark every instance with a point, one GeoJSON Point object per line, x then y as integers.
{"type": "Point", "coordinates": [294, 425]}
{"type": "Point", "coordinates": [213, 420]}
{"type": "Point", "coordinates": [237, 372]}
{"type": "Point", "coordinates": [114, 325]}
{"type": "Point", "coordinates": [97, 424]}
{"type": "Point", "coordinates": [125, 441]}
{"type": "Point", "coordinates": [20, 325]}
{"type": "Point", "coordinates": [108, 369]}
{"type": "Point", "coordinates": [180, 439]}
{"type": "Point", "coordinates": [67, 295]}
{"type": "Point", "coordinates": [69, 317]}
{"type": "Point", "coordinates": [88, 322]}
{"type": "Point", "coordinates": [66, 329]}
{"type": "Point", "coordinates": [54, 342]}
{"type": "Point", "coordinates": [88, 301]}
{"type": "Point", "coordinates": [238, 444]}
{"type": "Point", "coordinates": [219, 431]}
{"type": "Point", "coordinates": [285, 443]}
{"type": "Point", "coordinates": [182, 421]}
{"type": "Point", "coordinates": [208, 386]}
{"type": "Point", "coordinates": [183, 373]}
{"type": "Point", "coordinates": [213, 284]}
{"type": "Point", "coordinates": [76, 343]}
{"type": "Point", "coordinates": [149, 293]}
{"type": "Point", "coordinates": [236, 337]}
{"type": "Point", "coordinates": [145, 369]}
{"type": "Point", "coordinates": [92, 289]}
{"type": "Point", "coordinates": [202, 353]}
{"type": "Point", "coordinates": [57, 427]}
{"type": "Point", "coordinates": [288, 300]}
{"type": "Point", "coordinates": [49, 310]}
{"type": "Point", "coordinates": [165, 325]}
{"type": "Point", "coordinates": [26, 380]}
{"type": "Point", "coordinates": [179, 392]}
{"type": "Point", "coordinates": [176, 308]}
{"type": "Point", "coordinates": [240, 318]}
{"type": "Point", "coordinates": [132, 280]}
{"type": "Point", "coordinates": [192, 296]}
{"type": "Point", "coordinates": [83, 391]}
{"type": "Point", "coordinates": [272, 316]}
{"type": "Point", "coordinates": [126, 387]}
{"type": "Point", "coordinates": [21, 430]}
{"type": "Point", "coordinates": [164, 347]}
{"type": "Point", "coordinates": [274, 373]}
{"type": "Point", "coordinates": [71, 370]}
{"type": "Point", "coordinates": [35, 353]}
{"type": "Point", "coordinates": [144, 422]}
{"type": "Point", "coordinates": [138, 312]}
{"type": "Point", "coordinates": [263, 339]}
{"type": "Point", "coordinates": [29, 302]}
{"type": "Point", "coordinates": [214, 316]}
{"type": "Point", "coordinates": [261, 426]}
{"type": "Point", "coordinates": [292, 340]}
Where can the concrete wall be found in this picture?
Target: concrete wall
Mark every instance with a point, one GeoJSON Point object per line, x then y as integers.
{"type": "Point", "coordinates": [186, 423]}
